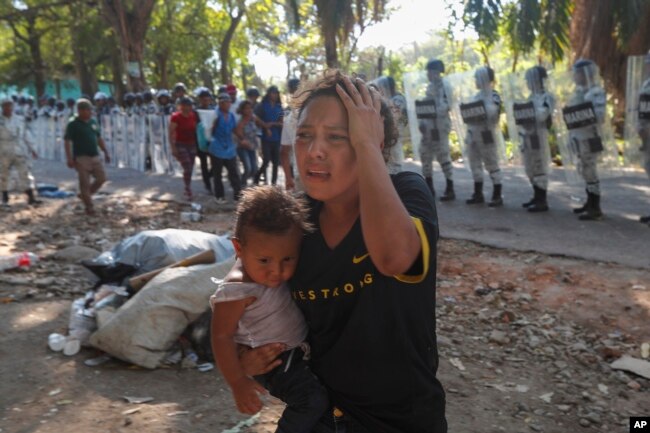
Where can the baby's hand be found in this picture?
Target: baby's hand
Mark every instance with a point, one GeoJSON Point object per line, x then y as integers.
{"type": "Point", "coordinates": [246, 392]}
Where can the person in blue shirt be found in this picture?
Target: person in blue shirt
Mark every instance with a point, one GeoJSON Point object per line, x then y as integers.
{"type": "Point", "coordinates": [271, 113]}
{"type": "Point", "coordinates": [223, 151]}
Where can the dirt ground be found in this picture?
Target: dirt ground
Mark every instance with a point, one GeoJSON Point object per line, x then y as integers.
{"type": "Point", "coordinates": [525, 340]}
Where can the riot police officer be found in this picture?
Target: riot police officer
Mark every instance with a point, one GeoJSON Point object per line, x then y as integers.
{"type": "Point", "coordinates": [434, 123]}
{"type": "Point", "coordinates": [481, 115]}
{"type": "Point", "coordinates": [533, 118]}
{"type": "Point", "coordinates": [584, 116]}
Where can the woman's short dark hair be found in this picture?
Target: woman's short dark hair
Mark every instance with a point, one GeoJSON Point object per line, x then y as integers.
{"type": "Point", "coordinates": [243, 104]}
{"type": "Point", "coordinates": [326, 86]}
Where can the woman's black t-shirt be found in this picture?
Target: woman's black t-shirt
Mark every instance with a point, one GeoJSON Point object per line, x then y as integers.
{"type": "Point", "coordinates": [372, 336]}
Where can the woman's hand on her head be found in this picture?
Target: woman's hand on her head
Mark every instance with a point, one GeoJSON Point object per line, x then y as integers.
{"type": "Point", "coordinates": [261, 359]}
{"type": "Point", "coordinates": [365, 125]}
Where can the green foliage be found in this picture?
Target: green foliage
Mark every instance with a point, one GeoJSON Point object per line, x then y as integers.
{"type": "Point", "coordinates": [554, 30]}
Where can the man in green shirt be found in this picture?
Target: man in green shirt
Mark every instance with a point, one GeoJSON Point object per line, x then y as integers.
{"type": "Point", "coordinates": [82, 144]}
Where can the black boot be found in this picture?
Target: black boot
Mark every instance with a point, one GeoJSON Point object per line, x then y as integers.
{"type": "Point", "coordinates": [30, 197]}
{"type": "Point", "coordinates": [449, 194]}
{"type": "Point", "coordinates": [593, 212]}
{"type": "Point", "coordinates": [585, 206]}
{"type": "Point", "coordinates": [5, 198]}
{"type": "Point", "coordinates": [429, 182]}
{"type": "Point", "coordinates": [540, 204]}
{"type": "Point", "coordinates": [477, 197]}
{"type": "Point", "coordinates": [532, 200]}
{"type": "Point", "coordinates": [497, 200]}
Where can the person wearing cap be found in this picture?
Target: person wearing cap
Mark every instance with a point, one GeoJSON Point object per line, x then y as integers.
{"type": "Point", "coordinates": [288, 138]}
{"type": "Point", "coordinates": [82, 144]}
{"type": "Point", "coordinates": [223, 152]}
{"type": "Point", "coordinates": [231, 90]}
{"type": "Point", "coordinates": [16, 147]}
{"type": "Point", "coordinates": [271, 113]}
{"type": "Point", "coordinates": [182, 140]}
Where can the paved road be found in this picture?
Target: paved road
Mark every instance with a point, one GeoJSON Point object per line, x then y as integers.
{"type": "Point", "coordinates": [618, 238]}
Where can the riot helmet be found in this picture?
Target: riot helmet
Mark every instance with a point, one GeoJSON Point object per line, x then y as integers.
{"type": "Point", "coordinates": [382, 86]}
{"type": "Point", "coordinates": [585, 73]}
{"type": "Point", "coordinates": [129, 98]}
{"type": "Point", "coordinates": [163, 97]}
{"type": "Point", "coordinates": [535, 78]}
{"type": "Point", "coordinates": [484, 77]}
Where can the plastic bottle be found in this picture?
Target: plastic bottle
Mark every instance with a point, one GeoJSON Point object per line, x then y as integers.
{"type": "Point", "coordinates": [18, 260]}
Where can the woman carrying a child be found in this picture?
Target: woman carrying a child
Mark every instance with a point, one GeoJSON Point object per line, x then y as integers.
{"type": "Point", "coordinates": [366, 275]}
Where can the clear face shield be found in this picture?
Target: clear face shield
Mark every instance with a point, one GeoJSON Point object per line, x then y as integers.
{"type": "Point", "coordinates": [646, 67]}
{"type": "Point", "coordinates": [382, 85]}
{"type": "Point", "coordinates": [433, 75]}
{"type": "Point", "coordinates": [482, 78]}
{"type": "Point", "coordinates": [586, 74]}
{"type": "Point", "coordinates": [536, 79]}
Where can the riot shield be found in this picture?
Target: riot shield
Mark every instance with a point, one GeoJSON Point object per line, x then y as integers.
{"type": "Point", "coordinates": [428, 108]}
{"type": "Point", "coordinates": [473, 113]}
{"type": "Point", "coordinates": [637, 112]}
{"type": "Point", "coordinates": [584, 124]}
{"type": "Point", "coordinates": [529, 107]}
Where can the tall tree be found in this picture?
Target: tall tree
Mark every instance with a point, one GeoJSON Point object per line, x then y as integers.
{"type": "Point", "coordinates": [338, 18]}
{"type": "Point", "coordinates": [130, 21]}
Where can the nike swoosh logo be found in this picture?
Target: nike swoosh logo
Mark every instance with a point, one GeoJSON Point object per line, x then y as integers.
{"type": "Point", "coordinates": [359, 259]}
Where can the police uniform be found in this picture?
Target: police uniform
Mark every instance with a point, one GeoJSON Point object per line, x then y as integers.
{"type": "Point", "coordinates": [533, 137]}
{"type": "Point", "coordinates": [16, 147]}
{"type": "Point", "coordinates": [586, 142]}
{"type": "Point", "coordinates": [481, 139]}
{"type": "Point", "coordinates": [435, 131]}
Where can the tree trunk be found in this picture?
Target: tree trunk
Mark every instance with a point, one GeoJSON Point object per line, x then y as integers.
{"type": "Point", "coordinates": [224, 49]}
{"type": "Point", "coordinates": [118, 70]}
{"type": "Point", "coordinates": [130, 21]}
{"type": "Point", "coordinates": [34, 43]}
{"type": "Point", "coordinates": [592, 37]}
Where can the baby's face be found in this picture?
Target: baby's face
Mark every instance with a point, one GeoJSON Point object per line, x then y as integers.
{"type": "Point", "coordinates": [269, 259]}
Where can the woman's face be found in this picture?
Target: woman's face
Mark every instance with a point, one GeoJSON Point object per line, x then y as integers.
{"type": "Point", "coordinates": [326, 160]}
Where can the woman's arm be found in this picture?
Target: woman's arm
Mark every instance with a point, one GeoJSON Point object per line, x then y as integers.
{"type": "Point", "coordinates": [239, 129]}
{"type": "Point", "coordinates": [172, 138]}
{"type": "Point", "coordinates": [388, 230]}
{"type": "Point", "coordinates": [225, 318]}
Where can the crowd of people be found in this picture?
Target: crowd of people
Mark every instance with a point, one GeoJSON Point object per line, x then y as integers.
{"type": "Point", "coordinates": [248, 135]}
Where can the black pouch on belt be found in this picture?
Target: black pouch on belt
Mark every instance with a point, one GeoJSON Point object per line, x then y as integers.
{"type": "Point", "coordinates": [487, 137]}
{"type": "Point", "coordinates": [595, 145]}
{"type": "Point", "coordinates": [534, 141]}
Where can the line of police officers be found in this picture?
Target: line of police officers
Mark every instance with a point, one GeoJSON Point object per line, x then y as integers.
{"type": "Point", "coordinates": [583, 113]}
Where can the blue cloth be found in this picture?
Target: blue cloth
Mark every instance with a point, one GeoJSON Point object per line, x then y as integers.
{"type": "Point", "coordinates": [271, 113]}
{"type": "Point", "coordinates": [222, 145]}
{"type": "Point", "coordinates": [55, 194]}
